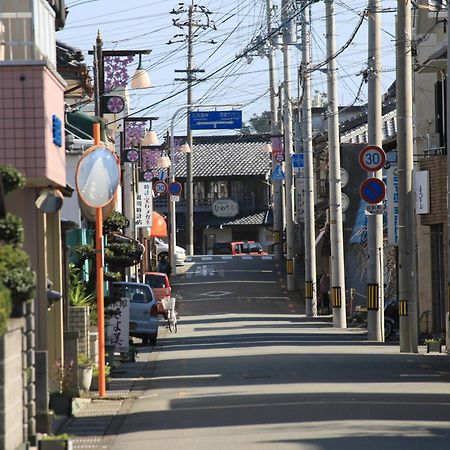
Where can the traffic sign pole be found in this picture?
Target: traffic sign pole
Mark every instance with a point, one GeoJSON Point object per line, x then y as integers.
{"type": "Point", "coordinates": [375, 263]}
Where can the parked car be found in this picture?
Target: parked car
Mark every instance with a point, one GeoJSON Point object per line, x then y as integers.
{"type": "Point", "coordinates": [238, 248]}
{"type": "Point", "coordinates": [162, 248]}
{"type": "Point", "coordinates": [143, 309]}
{"type": "Point", "coordinates": [160, 284]}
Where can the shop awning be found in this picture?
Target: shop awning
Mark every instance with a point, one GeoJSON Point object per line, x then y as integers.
{"type": "Point", "coordinates": [81, 125]}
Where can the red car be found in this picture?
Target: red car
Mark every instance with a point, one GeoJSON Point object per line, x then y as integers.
{"type": "Point", "coordinates": [159, 282]}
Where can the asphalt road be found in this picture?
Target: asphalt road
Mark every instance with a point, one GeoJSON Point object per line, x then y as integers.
{"type": "Point", "coordinates": [247, 370]}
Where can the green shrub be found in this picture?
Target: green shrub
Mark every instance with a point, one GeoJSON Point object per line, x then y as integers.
{"type": "Point", "coordinates": [115, 221]}
{"type": "Point", "coordinates": [5, 308]}
{"type": "Point", "coordinates": [15, 273]}
{"type": "Point", "coordinates": [12, 178]}
{"type": "Point", "coordinates": [11, 229]}
{"type": "Point", "coordinates": [77, 289]}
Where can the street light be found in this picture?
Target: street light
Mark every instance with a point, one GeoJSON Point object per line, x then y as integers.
{"type": "Point", "coordinates": [140, 79]}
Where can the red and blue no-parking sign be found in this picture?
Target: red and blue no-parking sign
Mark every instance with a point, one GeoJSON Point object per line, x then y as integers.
{"type": "Point", "coordinates": [372, 190]}
{"type": "Point", "coordinates": [174, 188]}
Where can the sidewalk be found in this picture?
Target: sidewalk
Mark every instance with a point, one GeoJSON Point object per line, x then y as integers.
{"type": "Point", "coordinates": [95, 416]}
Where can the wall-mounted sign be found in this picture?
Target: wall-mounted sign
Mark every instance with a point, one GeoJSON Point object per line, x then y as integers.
{"type": "Point", "coordinates": [422, 189]}
{"type": "Point", "coordinates": [225, 207]}
{"type": "Point", "coordinates": [57, 131]}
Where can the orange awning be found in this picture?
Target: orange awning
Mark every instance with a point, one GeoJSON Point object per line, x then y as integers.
{"type": "Point", "coordinates": [159, 226]}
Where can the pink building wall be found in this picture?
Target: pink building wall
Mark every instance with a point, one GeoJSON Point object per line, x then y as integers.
{"type": "Point", "coordinates": [29, 96]}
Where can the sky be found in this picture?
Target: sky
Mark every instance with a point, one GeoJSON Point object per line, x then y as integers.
{"type": "Point", "coordinates": [143, 24]}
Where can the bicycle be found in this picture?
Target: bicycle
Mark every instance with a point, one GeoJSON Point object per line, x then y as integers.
{"type": "Point", "coordinates": [169, 306]}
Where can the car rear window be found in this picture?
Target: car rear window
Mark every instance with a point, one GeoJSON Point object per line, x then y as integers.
{"type": "Point", "coordinates": [156, 281]}
{"type": "Point", "coordinates": [134, 293]}
{"type": "Point", "coordinates": [222, 248]}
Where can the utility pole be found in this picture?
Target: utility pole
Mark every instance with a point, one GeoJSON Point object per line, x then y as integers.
{"type": "Point", "coordinates": [190, 78]}
{"type": "Point", "coordinates": [277, 185]}
{"type": "Point", "coordinates": [310, 242]}
{"type": "Point", "coordinates": [286, 10]}
{"type": "Point", "coordinates": [448, 201]}
{"type": "Point", "coordinates": [406, 228]}
{"type": "Point", "coordinates": [375, 263]}
{"type": "Point", "coordinates": [334, 178]}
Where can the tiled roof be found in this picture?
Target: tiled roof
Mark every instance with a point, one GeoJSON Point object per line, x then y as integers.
{"type": "Point", "coordinates": [219, 156]}
{"type": "Point", "coordinates": [260, 218]}
{"type": "Point", "coordinates": [204, 219]}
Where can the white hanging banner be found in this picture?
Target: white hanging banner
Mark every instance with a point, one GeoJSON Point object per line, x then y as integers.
{"type": "Point", "coordinates": [422, 191]}
{"type": "Point", "coordinates": [144, 205]}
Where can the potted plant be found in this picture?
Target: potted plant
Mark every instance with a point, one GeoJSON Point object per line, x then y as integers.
{"type": "Point", "coordinates": [433, 345]}
{"type": "Point", "coordinates": [57, 442]}
{"type": "Point", "coordinates": [64, 378]}
{"type": "Point", "coordinates": [85, 371]}
{"type": "Point", "coordinates": [94, 384]}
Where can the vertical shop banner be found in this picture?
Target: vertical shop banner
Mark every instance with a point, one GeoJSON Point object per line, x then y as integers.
{"type": "Point", "coordinates": [392, 204]}
{"type": "Point", "coordinates": [117, 324]}
{"type": "Point", "coordinates": [144, 205]}
{"type": "Point", "coordinates": [422, 190]}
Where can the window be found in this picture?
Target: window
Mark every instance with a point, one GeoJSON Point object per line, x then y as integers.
{"type": "Point", "coordinates": [218, 189]}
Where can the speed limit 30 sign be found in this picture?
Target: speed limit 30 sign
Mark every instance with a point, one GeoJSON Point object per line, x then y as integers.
{"type": "Point", "coordinates": [372, 158]}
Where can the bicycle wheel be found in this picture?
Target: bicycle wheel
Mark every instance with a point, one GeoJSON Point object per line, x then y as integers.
{"type": "Point", "coordinates": [175, 325]}
{"type": "Point", "coordinates": [171, 321]}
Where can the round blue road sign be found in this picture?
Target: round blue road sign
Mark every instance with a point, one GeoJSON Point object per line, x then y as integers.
{"type": "Point", "coordinates": [174, 188]}
{"type": "Point", "coordinates": [372, 190]}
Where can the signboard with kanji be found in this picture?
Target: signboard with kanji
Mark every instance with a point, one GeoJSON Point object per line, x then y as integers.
{"type": "Point", "coordinates": [144, 205]}
{"type": "Point", "coordinates": [117, 324]}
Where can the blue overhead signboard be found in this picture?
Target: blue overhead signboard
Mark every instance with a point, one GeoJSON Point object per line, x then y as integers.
{"type": "Point", "coordinates": [215, 120]}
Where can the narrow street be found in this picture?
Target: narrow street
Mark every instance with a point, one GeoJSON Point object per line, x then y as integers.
{"type": "Point", "coordinates": [248, 370]}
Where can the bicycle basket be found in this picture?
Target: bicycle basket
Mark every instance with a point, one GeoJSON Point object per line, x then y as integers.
{"type": "Point", "coordinates": [168, 302]}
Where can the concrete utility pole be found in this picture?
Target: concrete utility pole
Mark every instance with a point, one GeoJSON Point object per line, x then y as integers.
{"type": "Point", "coordinates": [334, 178]}
{"type": "Point", "coordinates": [286, 11]}
{"type": "Point", "coordinates": [277, 185]}
{"type": "Point", "coordinates": [406, 229]}
{"type": "Point", "coordinates": [190, 78]}
{"type": "Point", "coordinates": [375, 263]}
{"type": "Point", "coordinates": [448, 199]}
{"type": "Point", "coordinates": [310, 241]}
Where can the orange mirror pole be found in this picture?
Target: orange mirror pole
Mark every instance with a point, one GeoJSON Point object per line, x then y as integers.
{"type": "Point", "coordinates": [100, 289]}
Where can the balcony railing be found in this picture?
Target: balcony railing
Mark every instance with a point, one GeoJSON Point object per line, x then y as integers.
{"type": "Point", "coordinates": [27, 35]}
{"type": "Point", "coordinates": [246, 203]}
{"type": "Point", "coordinates": [434, 151]}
